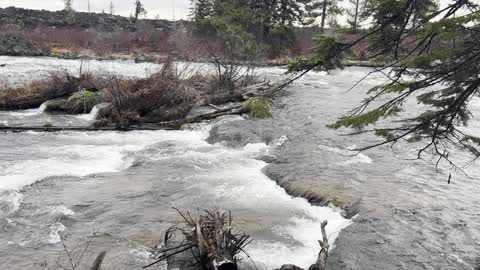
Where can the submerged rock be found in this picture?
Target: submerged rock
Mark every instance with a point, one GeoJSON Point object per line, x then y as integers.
{"type": "Point", "coordinates": [237, 134]}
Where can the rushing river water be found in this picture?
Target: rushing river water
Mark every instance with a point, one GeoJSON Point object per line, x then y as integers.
{"type": "Point", "coordinates": [122, 185]}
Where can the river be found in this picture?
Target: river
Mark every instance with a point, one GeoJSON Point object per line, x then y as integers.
{"type": "Point", "coordinates": [122, 186]}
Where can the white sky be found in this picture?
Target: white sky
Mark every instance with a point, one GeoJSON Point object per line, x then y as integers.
{"type": "Point", "coordinates": [163, 8]}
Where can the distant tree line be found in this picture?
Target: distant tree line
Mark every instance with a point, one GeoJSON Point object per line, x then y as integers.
{"type": "Point", "coordinates": [271, 22]}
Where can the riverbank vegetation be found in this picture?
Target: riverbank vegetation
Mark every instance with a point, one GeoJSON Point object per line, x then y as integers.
{"type": "Point", "coordinates": [166, 96]}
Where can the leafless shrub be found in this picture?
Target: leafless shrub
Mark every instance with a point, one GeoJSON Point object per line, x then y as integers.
{"type": "Point", "coordinates": [161, 97]}
{"type": "Point", "coordinates": [233, 67]}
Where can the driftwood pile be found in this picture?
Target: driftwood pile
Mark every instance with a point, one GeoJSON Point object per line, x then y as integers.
{"type": "Point", "coordinates": [210, 238]}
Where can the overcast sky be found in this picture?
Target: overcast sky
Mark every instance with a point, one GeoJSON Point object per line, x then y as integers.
{"type": "Point", "coordinates": [165, 9]}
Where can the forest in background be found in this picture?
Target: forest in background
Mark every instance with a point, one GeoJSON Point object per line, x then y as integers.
{"type": "Point", "coordinates": [271, 30]}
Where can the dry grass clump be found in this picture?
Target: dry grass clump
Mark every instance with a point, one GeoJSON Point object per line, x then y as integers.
{"type": "Point", "coordinates": [83, 101]}
{"type": "Point", "coordinates": [54, 86]}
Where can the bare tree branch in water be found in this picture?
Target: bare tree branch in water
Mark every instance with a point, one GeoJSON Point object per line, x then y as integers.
{"type": "Point", "coordinates": [73, 258]}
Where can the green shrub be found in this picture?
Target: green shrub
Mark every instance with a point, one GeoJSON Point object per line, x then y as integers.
{"type": "Point", "coordinates": [83, 101]}
{"type": "Point", "coordinates": [258, 107]}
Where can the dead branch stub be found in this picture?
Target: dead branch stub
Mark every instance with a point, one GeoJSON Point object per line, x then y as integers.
{"type": "Point", "coordinates": [321, 263]}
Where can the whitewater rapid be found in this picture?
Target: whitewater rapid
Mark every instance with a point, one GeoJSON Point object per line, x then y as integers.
{"type": "Point", "coordinates": [124, 185]}
{"type": "Point", "coordinates": [286, 230]}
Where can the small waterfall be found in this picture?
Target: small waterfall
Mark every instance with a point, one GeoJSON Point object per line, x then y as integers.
{"type": "Point", "coordinates": [90, 117]}
{"type": "Point", "coordinates": [29, 112]}
{"type": "Point", "coordinates": [42, 107]}
{"type": "Point", "coordinates": [93, 114]}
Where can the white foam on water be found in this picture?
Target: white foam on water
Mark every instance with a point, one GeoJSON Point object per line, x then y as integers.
{"type": "Point", "coordinates": [253, 190]}
{"type": "Point", "coordinates": [90, 117]}
{"type": "Point", "coordinates": [281, 141]}
{"type": "Point", "coordinates": [85, 153]}
{"type": "Point", "coordinates": [12, 201]}
{"type": "Point", "coordinates": [143, 256]}
{"type": "Point", "coordinates": [29, 112]}
{"type": "Point", "coordinates": [358, 158]}
{"type": "Point", "coordinates": [232, 178]}
{"type": "Point", "coordinates": [42, 108]}
{"type": "Point", "coordinates": [55, 230]}
{"type": "Point", "coordinates": [352, 156]}
{"type": "Point", "coordinates": [61, 210]}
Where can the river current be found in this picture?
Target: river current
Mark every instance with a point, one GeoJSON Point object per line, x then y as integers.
{"type": "Point", "coordinates": [122, 186]}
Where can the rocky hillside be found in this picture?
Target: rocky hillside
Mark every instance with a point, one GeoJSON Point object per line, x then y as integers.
{"type": "Point", "coordinates": [27, 18]}
{"type": "Point", "coordinates": [18, 46]}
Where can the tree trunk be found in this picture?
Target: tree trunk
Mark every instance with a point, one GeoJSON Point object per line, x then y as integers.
{"type": "Point", "coordinates": [324, 15]}
{"type": "Point", "coordinates": [355, 20]}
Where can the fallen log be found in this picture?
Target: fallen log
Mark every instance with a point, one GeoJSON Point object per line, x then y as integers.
{"type": "Point", "coordinates": [176, 124]}
{"type": "Point", "coordinates": [149, 126]}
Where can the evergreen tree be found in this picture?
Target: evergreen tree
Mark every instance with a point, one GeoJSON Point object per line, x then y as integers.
{"type": "Point", "coordinates": [269, 21]}
{"type": "Point", "coordinates": [68, 5]}
{"type": "Point", "coordinates": [327, 10]}
{"type": "Point", "coordinates": [200, 12]}
{"type": "Point", "coordinates": [139, 10]}
{"type": "Point", "coordinates": [434, 57]}
{"type": "Point", "coordinates": [112, 8]}
{"type": "Point", "coordinates": [357, 14]}
{"type": "Point", "coordinates": [200, 9]}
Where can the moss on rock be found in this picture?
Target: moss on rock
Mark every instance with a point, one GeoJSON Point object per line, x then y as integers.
{"type": "Point", "coordinates": [56, 106]}
{"type": "Point", "coordinates": [258, 107]}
